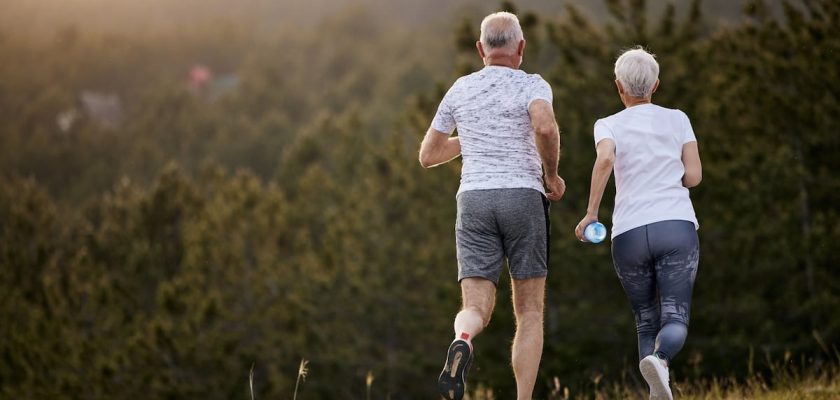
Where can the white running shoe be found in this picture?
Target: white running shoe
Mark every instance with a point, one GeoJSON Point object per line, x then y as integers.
{"type": "Point", "coordinates": [656, 375]}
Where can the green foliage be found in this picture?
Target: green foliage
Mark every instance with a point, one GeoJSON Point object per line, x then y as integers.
{"type": "Point", "coordinates": [289, 219]}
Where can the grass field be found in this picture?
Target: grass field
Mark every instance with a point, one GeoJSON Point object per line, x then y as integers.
{"type": "Point", "coordinates": [787, 384]}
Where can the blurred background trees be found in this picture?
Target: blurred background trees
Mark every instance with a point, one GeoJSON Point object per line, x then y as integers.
{"type": "Point", "coordinates": [201, 189]}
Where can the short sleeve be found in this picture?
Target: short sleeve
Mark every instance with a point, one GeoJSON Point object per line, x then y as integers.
{"type": "Point", "coordinates": [540, 90]}
{"type": "Point", "coordinates": [688, 132]}
{"type": "Point", "coordinates": [444, 121]}
{"type": "Point", "coordinates": [602, 131]}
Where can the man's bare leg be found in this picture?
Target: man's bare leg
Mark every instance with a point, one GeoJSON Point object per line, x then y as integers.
{"type": "Point", "coordinates": [528, 303]}
{"type": "Point", "coordinates": [479, 298]}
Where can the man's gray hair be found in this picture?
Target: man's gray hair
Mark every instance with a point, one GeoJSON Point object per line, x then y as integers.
{"type": "Point", "coordinates": [637, 70]}
{"type": "Point", "coordinates": [500, 30]}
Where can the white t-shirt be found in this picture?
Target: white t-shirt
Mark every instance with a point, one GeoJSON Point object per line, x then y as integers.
{"type": "Point", "coordinates": [648, 165]}
{"type": "Point", "coordinates": [490, 110]}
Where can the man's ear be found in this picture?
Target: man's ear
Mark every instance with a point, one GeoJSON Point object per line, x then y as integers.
{"type": "Point", "coordinates": [655, 86]}
{"type": "Point", "coordinates": [521, 49]}
{"type": "Point", "coordinates": [619, 86]}
{"type": "Point", "coordinates": [480, 49]}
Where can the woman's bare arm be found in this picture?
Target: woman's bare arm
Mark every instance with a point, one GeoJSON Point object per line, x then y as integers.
{"type": "Point", "coordinates": [691, 162]}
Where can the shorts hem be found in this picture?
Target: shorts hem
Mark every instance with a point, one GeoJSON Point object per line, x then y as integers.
{"type": "Point", "coordinates": [530, 275]}
{"type": "Point", "coordinates": [477, 274]}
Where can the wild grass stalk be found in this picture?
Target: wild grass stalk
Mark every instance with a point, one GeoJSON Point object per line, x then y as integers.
{"type": "Point", "coordinates": [302, 371]}
{"type": "Point", "coordinates": [251, 380]}
{"type": "Point", "coordinates": [369, 382]}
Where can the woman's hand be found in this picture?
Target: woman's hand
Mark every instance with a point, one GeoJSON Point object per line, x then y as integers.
{"type": "Point", "coordinates": [588, 219]}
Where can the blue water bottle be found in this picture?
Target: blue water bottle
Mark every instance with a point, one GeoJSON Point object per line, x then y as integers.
{"type": "Point", "coordinates": [595, 232]}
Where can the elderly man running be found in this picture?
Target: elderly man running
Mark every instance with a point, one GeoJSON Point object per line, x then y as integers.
{"type": "Point", "coordinates": [507, 136]}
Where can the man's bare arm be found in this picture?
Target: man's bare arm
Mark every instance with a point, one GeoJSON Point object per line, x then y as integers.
{"type": "Point", "coordinates": [547, 134]}
{"type": "Point", "coordinates": [438, 148]}
{"type": "Point", "coordinates": [548, 145]}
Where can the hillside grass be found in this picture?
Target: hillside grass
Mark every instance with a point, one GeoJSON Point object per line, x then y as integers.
{"type": "Point", "coordinates": [783, 384]}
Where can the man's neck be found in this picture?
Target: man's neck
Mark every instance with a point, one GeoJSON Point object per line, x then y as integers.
{"type": "Point", "coordinates": [500, 61]}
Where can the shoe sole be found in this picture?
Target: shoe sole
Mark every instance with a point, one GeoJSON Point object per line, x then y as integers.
{"type": "Point", "coordinates": [451, 382]}
{"type": "Point", "coordinates": [659, 389]}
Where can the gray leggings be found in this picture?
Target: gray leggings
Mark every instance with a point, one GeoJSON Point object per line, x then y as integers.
{"type": "Point", "coordinates": [659, 257]}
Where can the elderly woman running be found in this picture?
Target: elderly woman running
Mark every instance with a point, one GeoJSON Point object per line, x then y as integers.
{"type": "Point", "coordinates": [654, 236]}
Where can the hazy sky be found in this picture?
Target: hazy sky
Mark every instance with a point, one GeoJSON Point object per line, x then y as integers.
{"type": "Point", "coordinates": [31, 18]}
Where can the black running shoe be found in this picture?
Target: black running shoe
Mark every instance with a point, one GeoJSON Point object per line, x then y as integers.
{"type": "Point", "coordinates": [452, 381]}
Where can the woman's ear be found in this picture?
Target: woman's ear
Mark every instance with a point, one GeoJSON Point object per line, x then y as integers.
{"type": "Point", "coordinates": [655, 86]}
{"type": "Point", "coordinates": [620, 87]}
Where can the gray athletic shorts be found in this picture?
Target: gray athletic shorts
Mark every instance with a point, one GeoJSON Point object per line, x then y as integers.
{"type": "Point", "coordinates": [496, 224]}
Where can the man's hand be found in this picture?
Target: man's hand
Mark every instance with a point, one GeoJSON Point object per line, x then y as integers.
{"type": "Point", "coordinates": [588, 219]}
{"type": "Point", "coordinates": [556, 187]}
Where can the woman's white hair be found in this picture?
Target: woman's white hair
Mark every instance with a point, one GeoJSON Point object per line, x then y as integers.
{"type": "Point", "coordinates": [500, 30]}
{"type": "Point", "coordinates": [637, 70]}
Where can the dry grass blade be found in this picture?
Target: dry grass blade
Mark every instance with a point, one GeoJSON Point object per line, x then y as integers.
{"type": "Point", "coordinates": [302, 371]}
{"type": "Point", "coordinates": [369, 382]}
{"type": "Point", "coordinates": [251, 380]}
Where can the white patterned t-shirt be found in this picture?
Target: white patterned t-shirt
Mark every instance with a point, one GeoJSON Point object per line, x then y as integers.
{"type": "Point", "coordinates": [490, 109]}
